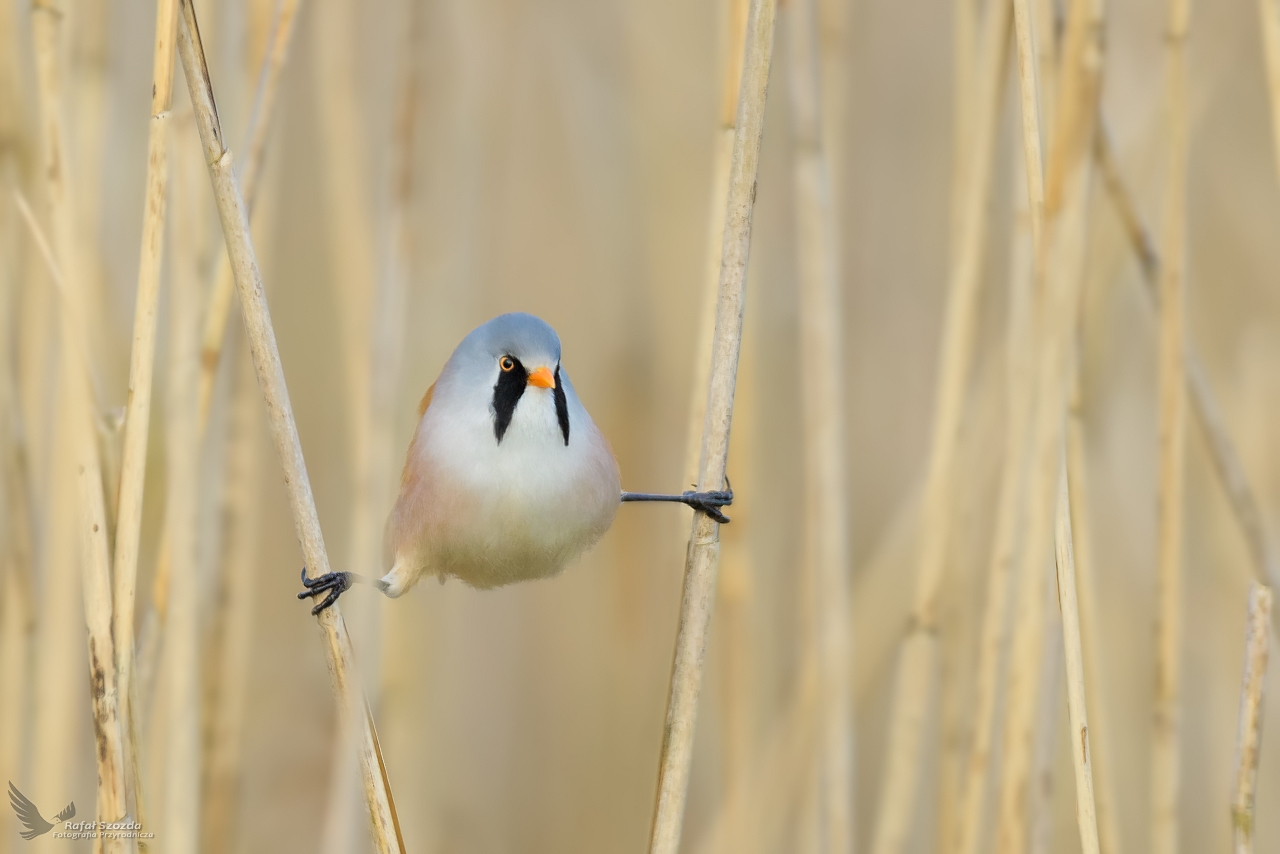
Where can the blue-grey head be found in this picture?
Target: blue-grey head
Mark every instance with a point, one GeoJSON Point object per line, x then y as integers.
{"type": "Point", "coordinates": [510, 354]}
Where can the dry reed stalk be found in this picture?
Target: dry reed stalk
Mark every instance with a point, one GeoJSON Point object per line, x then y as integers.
{"type": "Point", "coordinates": [1204, 405]}
{"type": "Point", "coordinates": [1270, 11]}
{"type": "Point", "coordinates": [968, 16]}
{"type": "Point", "coordinates": [1065, 233]}
{"type": "Point", "coordinates": [821, 358]}
{"type": "Point", "coordinates": [141, 365]}
{"type": "Point", "coordinates": [231, 209]}
{"type": "Point", "coordinates": [17, 592]}
{"type": "Point", "coordinates": [750, 819]}
{"type": "Point", "coordinates": [181, 824]}
{"type": "Point", "coordinates": [218, 309]}
{"type": "Point", "coordinates": [1166, 723]}
{"type": "Point", "coordinates": [1090, 631]}
{"type": "Point", "coordinates": [1081, 759]}
{"type": "Point", "coordinates": [994, 633]}
{"type": "Point", "coordinates": [698, 594]}
{"type": "Point", "coordinates": [1249, 730]}
{"type": "Point", "coordinates": [79, 413]}
{"type": "Point", "coordinates": [234, 619]}
{"type": "Point", "coordinates": [736, 571]}
{"type": "Point", "coordinates": [219, 306]}
{"type": "Point", "coordinates": [373, 333]}
{"type": "Point", "coordinates": [919, 653]}
{"type": "Point", "coordinates": [735, 12]}
{"type": "Point", "coordinates": [1048, 729]}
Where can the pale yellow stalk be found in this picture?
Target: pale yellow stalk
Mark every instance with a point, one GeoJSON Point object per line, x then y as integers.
{"type": "Point", "coordinates": [1081, 759]}
{"type": "Point", "coordinates": [1166, 724]}
{"type": "Point", "coordinates": [821, 389]}
{"type": "Point", "coordinates": [1257, 639]}
{"type": "Point", "coordinates": [231, 209]}
{"type": "Point", "coordinates": [233, 642]}
{"type": "Point", "coordinates": [1204, 405]}
{"type": "Point", "coordinates": [1065, 230]}
{"type": "Point", "coordinates": [1010, 517]}
{"type": "Point", "coordinates": [181, 817]}
{"type": "Point", "coordinates": [141, 364]}
{"type": "Point", "coordinates": [1090, 628]}
{"type": "Point", "coordinates": [701, 562]}
{"type": "Point", "coordinates": [218, 309]}
{"type": "Point", "coordinates": [1270, 10]}
{"type": "Point", "coordinates": [918, 663]}
{"type": "Point", "coordinates": [81, 443]}
{"type": "Point", "coordinates": [372, 325]}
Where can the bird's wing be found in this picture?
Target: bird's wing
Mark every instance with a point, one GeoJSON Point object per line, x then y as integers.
{"type": "Point", "coordinates": [67, 814]}
{"type": "Point", "coordinates": [426, 401]}
{"type": "Point", "coordinates": [27, 813]}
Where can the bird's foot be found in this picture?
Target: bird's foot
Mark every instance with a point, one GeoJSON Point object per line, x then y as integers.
{"type": "Point", "coordinates": [710, 502]}
{"type": "Point", "coordinates": [333, 583]}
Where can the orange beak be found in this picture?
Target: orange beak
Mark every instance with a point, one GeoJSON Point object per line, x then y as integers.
{"type": "Point", "coordinates": [542, 378]}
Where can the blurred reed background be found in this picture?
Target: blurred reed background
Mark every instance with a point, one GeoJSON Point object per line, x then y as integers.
{"type": "Point", "coordinates": [418, 166]}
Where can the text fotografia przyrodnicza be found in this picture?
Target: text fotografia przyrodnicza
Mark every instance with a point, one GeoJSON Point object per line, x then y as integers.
{"type": "Point", "coordinates": [104, 830]}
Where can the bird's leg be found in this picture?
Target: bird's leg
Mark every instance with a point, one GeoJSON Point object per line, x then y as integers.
{"type": "Point", "coordinates": [335, 584]}
{"type": "Point", "coordinates": [708, 502]}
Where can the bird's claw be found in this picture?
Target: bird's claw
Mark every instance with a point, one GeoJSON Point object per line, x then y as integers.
{"type": "Point", "coordinates": [710, 502]}
{"type": "Point", "coordinates": [333, 583]}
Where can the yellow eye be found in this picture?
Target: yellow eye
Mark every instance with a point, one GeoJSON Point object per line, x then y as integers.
{"type": "Point", "coordinates": [507, 363]}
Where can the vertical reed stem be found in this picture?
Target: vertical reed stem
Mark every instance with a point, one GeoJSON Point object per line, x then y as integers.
{"type": "Point", "coordinates": [1249, 730]}
{"type": "Point", "coordinates": [1081, 760]}
{"type": "Point", "coordinates": [181, 827]}
{"type": "Point", "coordinates": [141, 365]}
{"type": "Point", "coordinates": [1270, 10]}
{"type": "Point", "coordinates": [1166, 729]}
{"type": "Point", "coordinates": [917, 665]}
{"type": "Point", "coordinates": [46, 19]}
{"type": "Point", "coordinates": [704, 546]}
{"type": "Point", "coordinates": [1204, 406]}
{"type": "Point", "coordinates": [231, 209]}
{"type": "Point", "coordinates": [1059, 274]}
{"type": "Point", "coordinates": [821, 358]}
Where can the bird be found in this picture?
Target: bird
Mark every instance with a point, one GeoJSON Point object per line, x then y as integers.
{"type": "Point", "coordinates": [30, 816]}
{"type": "Point", "coordinates": [507, 478]}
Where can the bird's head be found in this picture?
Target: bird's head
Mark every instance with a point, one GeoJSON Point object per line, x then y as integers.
{"type": "Point", "coordinates": [514, 359]}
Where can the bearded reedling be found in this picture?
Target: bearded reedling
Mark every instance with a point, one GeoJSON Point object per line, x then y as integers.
{"type": "Point", "coordinates": [507, 477]}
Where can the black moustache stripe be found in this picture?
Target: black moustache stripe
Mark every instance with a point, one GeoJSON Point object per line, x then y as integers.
{"type": "Point", "coordinates": [506, 394]}
{"type": "Point", "coordinates": [562, 407]}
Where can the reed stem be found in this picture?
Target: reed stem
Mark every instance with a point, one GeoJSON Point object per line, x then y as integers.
{"type": "Point", "coordinates": [703, 556]}
{"type": "Point", "coordinates": [231, 209]}
{"type": "Point", "coordinates": [141, 367]}
{"type": "Point", "coordinates": [1249, 730]}
{"type": "Point", "coordinates": [1081, 759]}
{"type": "Point", "coordinates": [918, 663]}
{"type": "Point", "coordinates": [1204, 405]}
{"type": "Point", "coordinates": [821, 360]}
{"type": "Point", "coordinates": [1166, 726]}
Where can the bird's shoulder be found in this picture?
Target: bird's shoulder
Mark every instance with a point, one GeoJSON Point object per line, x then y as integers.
{"type": "Point", "coordinates": [426, 401]}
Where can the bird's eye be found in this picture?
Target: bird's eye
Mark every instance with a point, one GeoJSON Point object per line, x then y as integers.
{"type": "Point", "coordinates": [507, 363]}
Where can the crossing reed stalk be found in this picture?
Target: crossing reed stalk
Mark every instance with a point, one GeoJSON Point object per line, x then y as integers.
{"type": "Point", "coordinates": [266, 357]}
